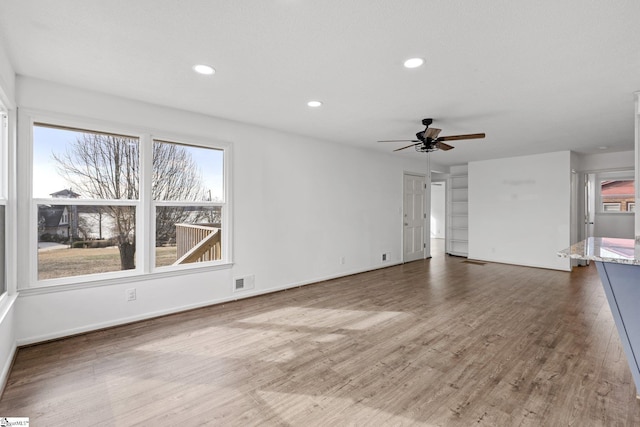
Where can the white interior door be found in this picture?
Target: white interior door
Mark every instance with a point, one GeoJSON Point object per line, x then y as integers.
{"type": "Point", "coordinates": [414, 217]}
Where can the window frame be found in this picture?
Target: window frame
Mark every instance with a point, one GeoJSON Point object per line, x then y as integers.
{"type": "Point", "coordinates": [611, 204]}
{"type": "Point", "coordinates": [621, 175]}
{"type": "Point", "coordinates": [145, 209]}
{"type": "Point", "coordinates": [4, 189]}
{"type": "Point", "coordinates": [224, 205]}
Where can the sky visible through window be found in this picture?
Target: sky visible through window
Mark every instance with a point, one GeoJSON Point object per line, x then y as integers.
{"type": "Point", "coordinates": [49, 140]}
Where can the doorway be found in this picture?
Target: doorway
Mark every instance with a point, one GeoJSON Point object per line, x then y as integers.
{"type": "Point", "coordinates": [438, 215]}
{"type": "Point", "coordinates": [609, 204]}
{"type": "Point", "coordinates": [414, 217]}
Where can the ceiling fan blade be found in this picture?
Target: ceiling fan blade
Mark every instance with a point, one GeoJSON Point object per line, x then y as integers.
{"type": "Point", "coordinates": [412, 145]}
{"type": "Point", "coordinates": [443, 146]}
{"type": "Point", "coordinates": [458, 137]}
{"type": "Point", "coordinates": [432, 133]}
{"type": "Point", "coordinates": [400, 140]}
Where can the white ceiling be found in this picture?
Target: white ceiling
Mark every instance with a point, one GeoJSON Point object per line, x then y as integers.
{"type": "Point", "coordinates": [536, 76]}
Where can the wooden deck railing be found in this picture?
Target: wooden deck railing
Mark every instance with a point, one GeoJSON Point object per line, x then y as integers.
{"type": "Point", "coordinates": [196, 243]}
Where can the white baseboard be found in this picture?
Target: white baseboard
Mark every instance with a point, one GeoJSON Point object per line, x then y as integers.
{"type": "Point", "coordinates": [520, 264]}
{"type": "Point", "coordinates": [6, 369]}
{"type": "Point", "coordinates": [7, 303]}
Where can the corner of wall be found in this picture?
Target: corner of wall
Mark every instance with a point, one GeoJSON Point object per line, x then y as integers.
{"type": "Point", "coordinates": [7, 76]}
{"type": "Point", "coordinates": [636, 117]}
{"type": "Point", "coordinates": [8, 344]}
{"type": "Point", "coordinates": [7, 300]}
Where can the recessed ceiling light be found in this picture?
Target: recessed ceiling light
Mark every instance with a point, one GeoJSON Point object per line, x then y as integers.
{"type": "Point", "coordinates": [314, 104]}
{"type": "Point", "coordinates": [204, 69]}
{"type": "Point", "coordinates": [413, 62]}
{"type": "Point", "coordinates": [604, 147]}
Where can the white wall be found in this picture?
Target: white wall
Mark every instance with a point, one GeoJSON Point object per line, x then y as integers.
{"type": "Point", "coordinates": [7, 75]}
{"type": "Point", "coordinates": [438, 203]}
{"type": "Point", "coordinates": [7, 339]}
{"type": "Point", "coordinates": [605, 161]}
{"type": "Point", "coordinates": [519, 210]}
{"type": "Point", "coordinates": [7, 307]}
{"type": "Point", "coordinates": [614, 225]}
{"type": "Point", "coordinates": [299, 205]}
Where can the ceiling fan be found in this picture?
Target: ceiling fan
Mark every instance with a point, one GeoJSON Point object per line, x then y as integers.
{"type": "Point", "coordinates": [428, 139]}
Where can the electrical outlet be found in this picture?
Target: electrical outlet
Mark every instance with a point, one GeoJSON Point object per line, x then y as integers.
{"type": "Point", "coordinates": [342, 260]}
{"type": "Point", "coordinates": [384, 257]}
{"type": "Point", "coordinates": [131, 294]}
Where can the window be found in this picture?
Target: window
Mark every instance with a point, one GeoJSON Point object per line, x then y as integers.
{"type": "Point", "coordinates": [85, 185]}
{"type": "Point", "coordinates": [611, 207]}
{"type": "Point", "coordinates": [188, 201]}
{"type": "Point", "coordinates": [88, 192]}
{"type": "Point", "coordinates": [617, 195]}
{"type": "Point", "coordinates": [187, 234]}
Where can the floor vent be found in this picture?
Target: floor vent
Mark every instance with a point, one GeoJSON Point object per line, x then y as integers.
{"type": "Point", "coordinates": [468, 261]}
{"type": "Point", "coordinates": [243, 283]}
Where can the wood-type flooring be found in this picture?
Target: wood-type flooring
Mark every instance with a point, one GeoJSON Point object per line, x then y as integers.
{"type": "Point", "coordinates": [437, 342]}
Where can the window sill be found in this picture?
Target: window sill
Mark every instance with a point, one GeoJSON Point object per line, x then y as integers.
{"type": "Point", "coordinates": [617, 213]}
{"type": "Point", "coordinates": [38, 289]}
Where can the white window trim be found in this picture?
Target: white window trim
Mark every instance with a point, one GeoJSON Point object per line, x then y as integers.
{"type": "Point", "coordinates": [4, 190]}
{"type": "Point", "coordinates": [8, 185]}
{"type": "Point", "coordinates": [4, 153]}
{"type": "Point", "coordinates": [86, 277]}
{"type": "Point", "coordinates": [612, 204]}
{"type": "Point", "coordinates": [145, 240]}
{"type": "Point", "coordinates": [225, 204]}
{"type": "Point", "coordinates": [626, 174]}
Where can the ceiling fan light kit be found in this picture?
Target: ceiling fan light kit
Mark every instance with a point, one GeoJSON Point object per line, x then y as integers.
{"type": "Point", "coordinates": [429, 140]}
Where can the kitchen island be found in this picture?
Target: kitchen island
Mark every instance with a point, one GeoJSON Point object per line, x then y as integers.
{"type": "Point", "coordinates": [618, 264]}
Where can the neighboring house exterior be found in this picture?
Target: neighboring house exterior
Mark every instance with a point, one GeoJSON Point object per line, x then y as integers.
{"type": "Point", "coordinates": [618, 196]}
{"type": "Point", "coordinates": [59, 220]}
{"type": "Point", "coordinates": [73, 222]}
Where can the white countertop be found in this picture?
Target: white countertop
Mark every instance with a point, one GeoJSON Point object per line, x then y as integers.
{"type": "Point", "coordinates": [605, 249]}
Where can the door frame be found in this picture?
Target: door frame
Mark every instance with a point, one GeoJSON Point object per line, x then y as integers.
{"type": "Point", "coordinates": [426, 251]}
{"type": "Point", "coordinates": [584, 216]}
{"type": "Point", "coordinates": [444, 179]}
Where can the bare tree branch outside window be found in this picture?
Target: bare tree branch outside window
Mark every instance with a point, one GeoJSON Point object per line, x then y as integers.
{"type": "Point", "coordinates": [103, 166]}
